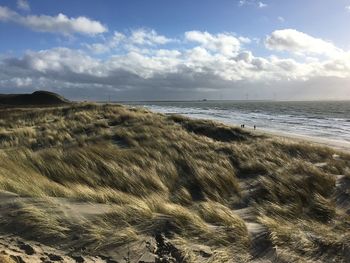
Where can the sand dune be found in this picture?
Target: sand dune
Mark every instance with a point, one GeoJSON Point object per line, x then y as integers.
{"type": "Point", "coordinates": [43, 98]}
{"type": "Point", "coordinates": [107, 183]}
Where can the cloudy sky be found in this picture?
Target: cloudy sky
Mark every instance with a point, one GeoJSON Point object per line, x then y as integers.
{"type": "Point", "coordinates": [176, 50]}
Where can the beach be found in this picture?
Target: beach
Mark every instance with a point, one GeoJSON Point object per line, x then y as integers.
{"type": "Point", "coordinates": [85, 182]}
{"type": "Point", "coordinates": [338, 145]}
{"type": "Point", "coordinates": [324, 122]}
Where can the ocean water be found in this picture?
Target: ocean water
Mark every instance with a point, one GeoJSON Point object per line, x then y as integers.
{"type": "Point", "coordinates": [323, 119]}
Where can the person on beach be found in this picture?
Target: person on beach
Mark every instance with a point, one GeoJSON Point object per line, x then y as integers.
{"type": "Point", "coordinates": [254, 127]}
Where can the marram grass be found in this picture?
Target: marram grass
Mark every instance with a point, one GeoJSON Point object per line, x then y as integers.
{"type": "Point", "coordinates": [192, 180]}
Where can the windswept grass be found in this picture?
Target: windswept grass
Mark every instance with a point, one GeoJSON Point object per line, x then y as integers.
{"type": "Point", "coordinates": [171, 175]}
{"type": "Point", "coordinates": [6, 259]}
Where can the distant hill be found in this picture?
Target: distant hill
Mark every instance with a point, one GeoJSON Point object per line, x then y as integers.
{"type": "Point", "coordinates": [42, 98]}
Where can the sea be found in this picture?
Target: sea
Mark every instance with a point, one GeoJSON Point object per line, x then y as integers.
{"type": "Point", "coordinates": [322, 119]}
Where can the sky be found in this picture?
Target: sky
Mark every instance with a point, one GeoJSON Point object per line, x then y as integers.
{"type": "Point", "coordinates": [176, 50]}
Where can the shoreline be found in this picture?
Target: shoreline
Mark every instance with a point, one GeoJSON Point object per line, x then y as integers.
{"type": "Point", "coordinates": [341, 145]}
{"type": "Point", "coordinates": [335, 144]}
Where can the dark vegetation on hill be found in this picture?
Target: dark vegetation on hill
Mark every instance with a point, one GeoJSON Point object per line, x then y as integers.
{"type": "Point", "coordinates": [43, 98]}
{"type": "Point", "coordinates": [103, 179]}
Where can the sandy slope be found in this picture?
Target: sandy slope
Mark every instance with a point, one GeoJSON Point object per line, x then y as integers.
{"type": "Point", "coordinates": [20, 250]}
{"type": "Point", "coordinates": [16, 249]}
{"type": "Point", "coordinates": [155, 248]}
{"type": "Point", "coordinates": [149, 249]}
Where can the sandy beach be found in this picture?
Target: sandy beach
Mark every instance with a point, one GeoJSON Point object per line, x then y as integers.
{"type": "Point", "coordinates": [339, 145]}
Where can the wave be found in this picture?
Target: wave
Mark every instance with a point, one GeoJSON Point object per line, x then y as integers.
{"type": "Point", "coordinates": [310, 121]}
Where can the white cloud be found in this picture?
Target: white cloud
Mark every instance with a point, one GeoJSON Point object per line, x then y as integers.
{"type": "Point", "coordinates": [217, 62]}
{"type": "Point", "coordinates": [281, 19]}
{"type": "Point", "coordinates": [224, 43]}
{"type": "Point", "coordinates": [6, 14]}
{"type": "Point", "coordinates": [108, 45]}
{"type": "Point", "coordinates": [23, 5]}
{"type": "Point", "coordinates": [148, 37]}
{"type": "Point", "coordinates": [137, 40]}
{"type": "Point", "coordinates": [54, 24]}
{"type": "Point", "coordinates": [77, 66]}
{"type": "Point", "coordinates": [347, 8]}
{"type": "Point", "coordinates": [98, 48]}
{"type": "Point", "coordinates": [167, 53]}
{"type": "Point", "coordinates": [300, 43]}
{"type": "Point", "coordinates": [242, 2]}
{"type": "Point", "coordinates": [255, 3]}
{"type": "Point", "coordinates": [244, 40]}
{"type": "Point", "coordinates": [261, 5]}
{"type": "Point", "coordinates": [61, 60]}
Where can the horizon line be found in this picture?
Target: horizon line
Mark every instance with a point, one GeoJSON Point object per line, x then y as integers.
{"type": "Point", "coordinates": [219, 100]}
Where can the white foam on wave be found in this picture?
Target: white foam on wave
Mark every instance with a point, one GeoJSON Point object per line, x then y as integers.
{"type": "Point", "coordinates": [316, 126]}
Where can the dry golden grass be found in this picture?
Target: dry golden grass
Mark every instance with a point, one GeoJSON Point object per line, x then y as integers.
{"type": "Point", "coordinates": [6, 259]}
{"type": "Point", "coordinates": [172, 175]}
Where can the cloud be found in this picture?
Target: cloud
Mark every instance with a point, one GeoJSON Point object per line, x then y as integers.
{"type": "Point", "coordinates": [7, 14]}
{"type": "Point", "coordinates": [23, 5]}
{"type": "Point", "coordinates": [60, 24]}
{"type": "Point", "coordinates": [242, 2]}
{"type": "Point", "coordinates": [261, 5]}
{"type": "Point", "coordinates": [347, 8]}
{"type": "Point", "coordinates": [148, 37]}
{"type": "Point", "coordinates": [224, 43]}
{"type": "Point", "coordinates": [215, 63]}
{"type": "Point", "coordinates": [258, 4]}
{"type": "Point", "coordinates": [68, 65]}
{"type": "Point", "coordinates": [281, 19]}
{"type": "Point", "coordinates": [136, 40]}
{"type": "Point", "coordinates": [300, 43]}
{"type": "Point", "coordinates": [108, 45]}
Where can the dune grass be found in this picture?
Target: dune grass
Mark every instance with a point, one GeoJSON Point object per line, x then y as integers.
{"type": "Point", "coordinates": [172, 175]}
{"type": "Point", "coordinates": [6, 259]}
